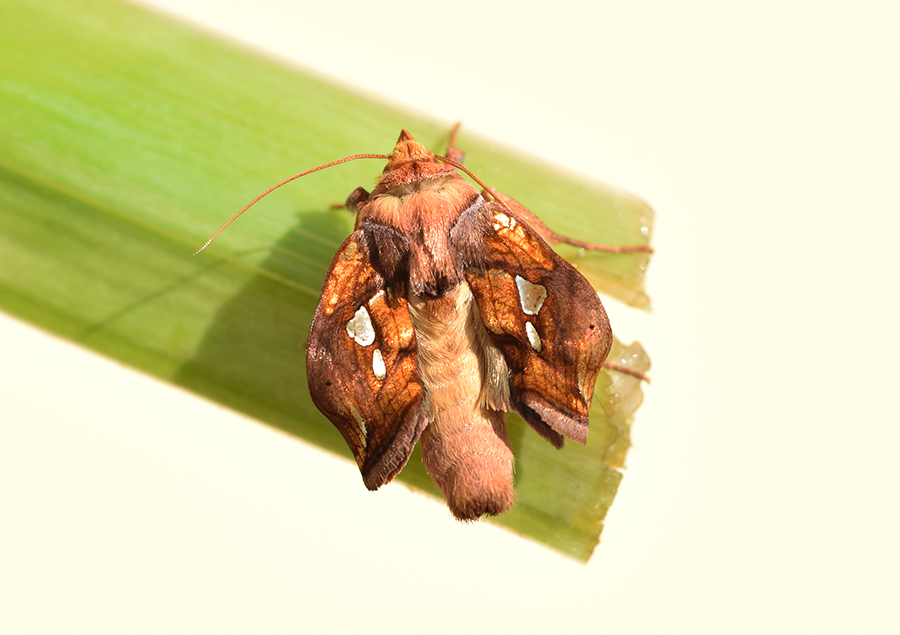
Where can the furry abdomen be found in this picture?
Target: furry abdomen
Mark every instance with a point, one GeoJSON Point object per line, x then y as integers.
{"type": "Point", "coordinates": [465, 449]}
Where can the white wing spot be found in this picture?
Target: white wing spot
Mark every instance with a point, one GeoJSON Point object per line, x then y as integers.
{"type": "Point", "coordinates": [531, 295]}
{"type": "Point", "coordinates": [375, 297]}
{"type": "Point", "coordinates": [378, 364]}
{"type": "Point", "coordinates": [360, 327]}
{"type": "Point", "coordinates": [533, 338]}
{"type": "Point", "coordinates": [502, 220]}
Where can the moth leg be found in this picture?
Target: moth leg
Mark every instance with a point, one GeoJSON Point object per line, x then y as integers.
{"type": "Point", "coordinates": [626, 371]}
{"type": "Point", "coordinates": [357, 197]}
{"type": "Point", "coordinates": [453, 153]}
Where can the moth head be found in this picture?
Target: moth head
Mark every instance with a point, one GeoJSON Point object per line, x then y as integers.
{"type": "Point", "coordinates": [408, 150]}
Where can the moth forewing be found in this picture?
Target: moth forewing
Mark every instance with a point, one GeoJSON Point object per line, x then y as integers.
{"type": "Point", "coordinates": [361, 365]}
{"type": "Point", "coordinates": [545, 318]}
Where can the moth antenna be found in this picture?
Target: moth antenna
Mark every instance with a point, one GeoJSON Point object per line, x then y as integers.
{"type": "Point", "coordinates": [626, 371]}
{"type": "Point", "coordinates": [556, 237]}
{"type": "Point", "coordinates": [459, 166]}
{"type": "Point", "coordinates": [285, 182]}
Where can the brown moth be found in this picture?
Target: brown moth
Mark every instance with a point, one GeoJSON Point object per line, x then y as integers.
{"type": "Point", "coordinates": [443, 310]}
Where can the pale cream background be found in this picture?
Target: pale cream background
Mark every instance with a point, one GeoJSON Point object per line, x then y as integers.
{"type": "Point", "coordinates": [762, 491]}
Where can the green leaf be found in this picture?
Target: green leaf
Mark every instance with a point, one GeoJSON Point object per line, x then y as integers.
{"type": "Point", "coordinates": [126, 139]}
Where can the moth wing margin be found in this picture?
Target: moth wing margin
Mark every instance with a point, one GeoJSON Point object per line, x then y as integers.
{"type": "Point", "coordinates": [368, 386]}
{"type": "Point", "coordinates": [542, 314]}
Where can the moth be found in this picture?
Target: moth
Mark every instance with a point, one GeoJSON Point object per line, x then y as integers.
{"type": "Point", "coordinates": [444, 309]}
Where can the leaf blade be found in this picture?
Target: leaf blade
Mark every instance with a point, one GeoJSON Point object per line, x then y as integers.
{"type": "Point", "coordinates": [126, 139]}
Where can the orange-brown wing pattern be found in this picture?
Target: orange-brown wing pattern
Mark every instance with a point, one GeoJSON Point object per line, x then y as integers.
{"type": "Point", "coordinates": [361, 364]}
{"type": "Point", "coordinates": [544, 316]}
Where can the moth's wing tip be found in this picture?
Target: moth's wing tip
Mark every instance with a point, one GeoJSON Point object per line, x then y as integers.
{"type": "Point", "coordinates": [553, 420]}
{"type": "Point", "coordinates": [380, 470]}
